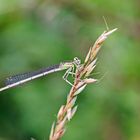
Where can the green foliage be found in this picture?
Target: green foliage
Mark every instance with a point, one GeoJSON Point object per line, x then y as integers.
{"type": "Point", "coordinates": [36, 34]}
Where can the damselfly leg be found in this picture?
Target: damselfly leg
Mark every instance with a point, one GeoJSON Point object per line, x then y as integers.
{"type": "Point", "coordinates": [67, 73]}
{"type": "Point", "coordinates": [76, 65]}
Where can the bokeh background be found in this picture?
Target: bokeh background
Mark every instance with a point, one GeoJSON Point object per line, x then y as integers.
{"type": "Point", "coordinates": [39, 33]}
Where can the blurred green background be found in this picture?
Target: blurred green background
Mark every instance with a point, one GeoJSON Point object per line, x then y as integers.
{"type": "Point", "coordinates": [39, 33]}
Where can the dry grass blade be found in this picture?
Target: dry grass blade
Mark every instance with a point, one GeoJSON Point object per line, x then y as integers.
{"type": "Point", "coordinates": [68, 110]}
{"type": "Point", "coordinates": [52, 131]}
{"type": "Point", "coordinates": [96, 47]}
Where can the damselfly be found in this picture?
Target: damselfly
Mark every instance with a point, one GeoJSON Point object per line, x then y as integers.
{"type": "Point", "coordinates": [25, 77]}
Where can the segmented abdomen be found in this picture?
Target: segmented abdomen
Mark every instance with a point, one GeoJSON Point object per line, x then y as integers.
{"type": "Point", "coordinates": [20, 77]}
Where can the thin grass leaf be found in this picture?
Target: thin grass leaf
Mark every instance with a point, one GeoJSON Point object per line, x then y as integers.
{"type": "Point", "coordinates": [89, 68]}
{"type": "Point", "coordinates": [110, 32]}
{"type": "Point", "coordinates": [73, 101]}
{"type": "Point", "coordinates": [61, 124]}
{"type": "Point", "coordinates": [69, 114]}
{"type": "Point", "coordinates": [90, 80]}
{"type": "Point", "coordinates": [52, 130]}
{"type": "Point", "coordinates": [60, 112]}
{"type": "Point", "coordinates": [73, 111]}
{"type": "Point", "coordinates": [88, 55]}
{"type": "Point", "coordinates": [89, 71]}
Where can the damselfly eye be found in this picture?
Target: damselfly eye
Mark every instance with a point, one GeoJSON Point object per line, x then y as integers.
{"type": "Point", "coordinates": [77, 61]}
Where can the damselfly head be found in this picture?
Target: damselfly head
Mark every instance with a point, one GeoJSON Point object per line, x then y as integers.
{"type": "Point", "coordinates": [77, 61]}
